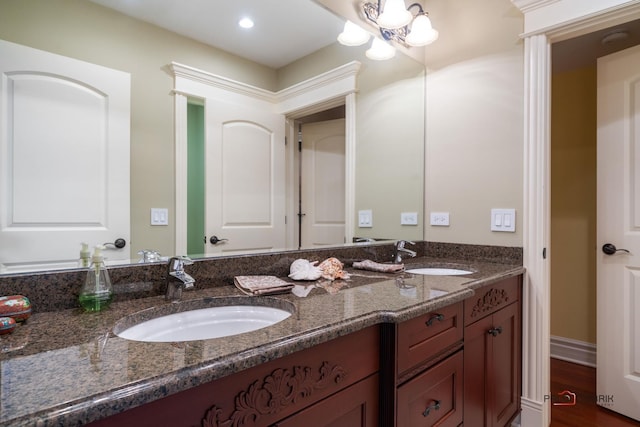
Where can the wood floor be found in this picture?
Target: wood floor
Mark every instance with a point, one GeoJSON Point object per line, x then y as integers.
{"type": "Point", "coordinates": [580, 380]}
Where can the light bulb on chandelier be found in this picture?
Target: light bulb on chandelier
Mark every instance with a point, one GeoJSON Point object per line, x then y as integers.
{"type": "Point", "coordinates": [398, 24]}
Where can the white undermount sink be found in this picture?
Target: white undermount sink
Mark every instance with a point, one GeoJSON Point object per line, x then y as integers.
{"type": "Point", "coordinates": [204, 323]}
{"type": "Point", "coordinates": [432, 271]}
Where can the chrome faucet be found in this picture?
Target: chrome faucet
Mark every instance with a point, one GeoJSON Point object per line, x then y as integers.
{"type": "Point", "coordinates": [365, 240]}
{"type": "Point", "coordinates": [399, 249]}
{"type": "Point", "coordinates": [176, 278]}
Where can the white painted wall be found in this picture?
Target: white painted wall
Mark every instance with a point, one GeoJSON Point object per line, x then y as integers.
{"type": "Point", "coordinates": [474, 147]}
{"type": "Point", "coordinates": [474, 120]}
{"type": "Point", "coordinates": [474, 116]}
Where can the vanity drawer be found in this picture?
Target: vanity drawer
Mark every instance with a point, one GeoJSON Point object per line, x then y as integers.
{"type": "Point", "coordinates": [433, 398]}
{"type": "Point", "coordinates": [491, 298]}
{"type": "Point", "coordinates": [425, 336]}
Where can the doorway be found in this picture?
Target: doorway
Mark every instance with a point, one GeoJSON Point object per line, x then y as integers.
{"type": "Point", "coordinates": [574, 244]}
{"type": "Point", "coordinates": [320, 164]}
{"type": "Point", "coordinates": [319, 169]}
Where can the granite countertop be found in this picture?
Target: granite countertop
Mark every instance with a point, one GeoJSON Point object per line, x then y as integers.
{"type": "Point", "coordinates": [69, 368]}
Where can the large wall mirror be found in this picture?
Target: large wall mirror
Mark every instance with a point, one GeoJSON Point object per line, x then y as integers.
{"type": "Point", "coordinates": [388, 171]}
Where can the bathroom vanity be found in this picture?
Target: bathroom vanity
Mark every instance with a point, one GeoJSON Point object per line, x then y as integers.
{"type": "Point", "coordinates": [381, 349]}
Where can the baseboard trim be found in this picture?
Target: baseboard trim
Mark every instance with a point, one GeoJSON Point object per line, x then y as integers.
{"type": "Point", "coordinates": [570, 350]}
{"type": "Point", "coordinates": [516, 421]}
{"type": "Point", "coordinates": [533, 413]}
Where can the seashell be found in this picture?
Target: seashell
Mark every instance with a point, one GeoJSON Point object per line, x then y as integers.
{"type": "Point", "coordinates": [302, 269]}
{"type": "Point", "coordinates": [332, 269]}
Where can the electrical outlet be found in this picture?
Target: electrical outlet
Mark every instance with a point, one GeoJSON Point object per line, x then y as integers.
{"type": "Point", "coordinates": [440, 219]}
{"type": "Point", "coordinates": [409, 218]}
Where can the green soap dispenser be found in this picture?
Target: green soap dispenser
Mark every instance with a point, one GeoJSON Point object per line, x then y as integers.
{"type": "Point", "coordinates": [97, 292]}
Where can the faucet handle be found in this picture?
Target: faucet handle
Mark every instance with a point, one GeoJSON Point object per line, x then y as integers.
{"type": "Point", "coordinates": [400, 243]}
{"type": "Point", "coordinates": [177, 263]}
{"type": "Point", "coordinates": [149, 255]}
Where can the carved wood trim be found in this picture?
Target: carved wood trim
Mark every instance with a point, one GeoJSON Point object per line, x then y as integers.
{"type": "Point", "coordinates": [274, 393]}
{"type": "Point", "coordinates": [491, 299]}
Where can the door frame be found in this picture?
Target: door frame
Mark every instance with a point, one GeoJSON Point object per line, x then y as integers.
{"type": "Point", "coordinates": [298, 178]}
{"type": "Point", "coordinates": [326, 90]}
{"type": "Point", "coordinates": [546, 22]}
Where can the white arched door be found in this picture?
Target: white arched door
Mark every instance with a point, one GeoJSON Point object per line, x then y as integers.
{"type": "Point", "coordinates": [618, 277]}
{"type": "Point", "coordinates": [64, 158]}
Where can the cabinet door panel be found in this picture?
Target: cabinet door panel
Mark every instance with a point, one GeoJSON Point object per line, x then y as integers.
{"type": "Point", "coordinates": [439, 389]}
{"type": "Point", "coordinates": [505, 392]}
{"type": "Point", "coordinates": [356, 406]}
{"type": "Point", "coordinates": [492, 369]}
{"type": "Point", "coordinates": [476, 340]}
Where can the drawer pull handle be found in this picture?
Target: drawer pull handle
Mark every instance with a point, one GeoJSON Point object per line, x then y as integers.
{"type": "Point", "coordinates": [438, 317]}
{"type": "Point", "coordinates": [495, 331]}
{"type": "Point", "coordinates": [435, 406]}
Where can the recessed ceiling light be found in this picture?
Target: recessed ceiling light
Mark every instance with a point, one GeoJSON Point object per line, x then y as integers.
{"type": "Point", "coordinates": [615, 36]}
{"type": "Point", "coordinates": [246, 23]}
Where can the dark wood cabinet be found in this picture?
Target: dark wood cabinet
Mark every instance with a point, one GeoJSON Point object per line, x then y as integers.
{"type": "Point", "coordinates": [423, 337]}
{"type": "Point", "coordinates": [429, 369]}
{"type": "Point", "coordinates": [275, 392]}
{"type": "Point", "coordinates": [433, 398]}
{"type": "Point", "coordinates": [492, 355]}
{"type": "Point", "coordinates": [355, 406]}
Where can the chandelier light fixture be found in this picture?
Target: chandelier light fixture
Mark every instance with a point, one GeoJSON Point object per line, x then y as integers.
{"type": "Point", "coordinates": [397, 23]}
{"type": "Point", "coordinates": [380, 50]}
{"type": "Point", "coordinates": [353, 35]}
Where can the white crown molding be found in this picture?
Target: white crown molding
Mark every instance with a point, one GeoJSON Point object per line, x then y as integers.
{"type": "Point", "coordinates": [347, 72]}
{"type": "Point", "coordinates": [594, 22]}
{"type": "Point", "coordinates": [529, 5]}
{"type": "Point", "coordinates": [214, 80]}
{"type": "Point", "coordinates": [559, 19]}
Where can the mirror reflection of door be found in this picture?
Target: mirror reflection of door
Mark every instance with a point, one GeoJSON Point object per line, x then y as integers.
{"type": "Point", "coordinates": [320, 181]}
{"type": "Point", "coordinates": [240, 159]}
{"type": "Point", "coordinates": [321, 199]}
{"type": "Point", "coordinates": [64, 167]}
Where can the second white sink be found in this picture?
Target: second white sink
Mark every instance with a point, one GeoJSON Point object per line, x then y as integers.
{"type": "Point", "coordinates": [430, 271]}
{"type": "Point", "coordinates": [205, 323]}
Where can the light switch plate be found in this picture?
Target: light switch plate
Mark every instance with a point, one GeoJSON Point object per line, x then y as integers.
{"type": "Point", "coordinates": [365, 218]}
{"type": "Point", "coordinates": [409, 218]}
{"type": "Point", "coordinates": [440, 219]}
{"type": "Point", "coordinates": [503, 220]}
{"type": "Point", "coordinates": [159, 216]}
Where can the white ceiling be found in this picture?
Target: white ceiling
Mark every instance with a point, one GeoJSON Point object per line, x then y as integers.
{"type": "Point", "coordinates": [284, 30]}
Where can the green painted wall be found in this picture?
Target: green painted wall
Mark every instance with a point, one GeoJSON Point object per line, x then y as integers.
{"type": "Point", "coordinates": [195, 180]}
